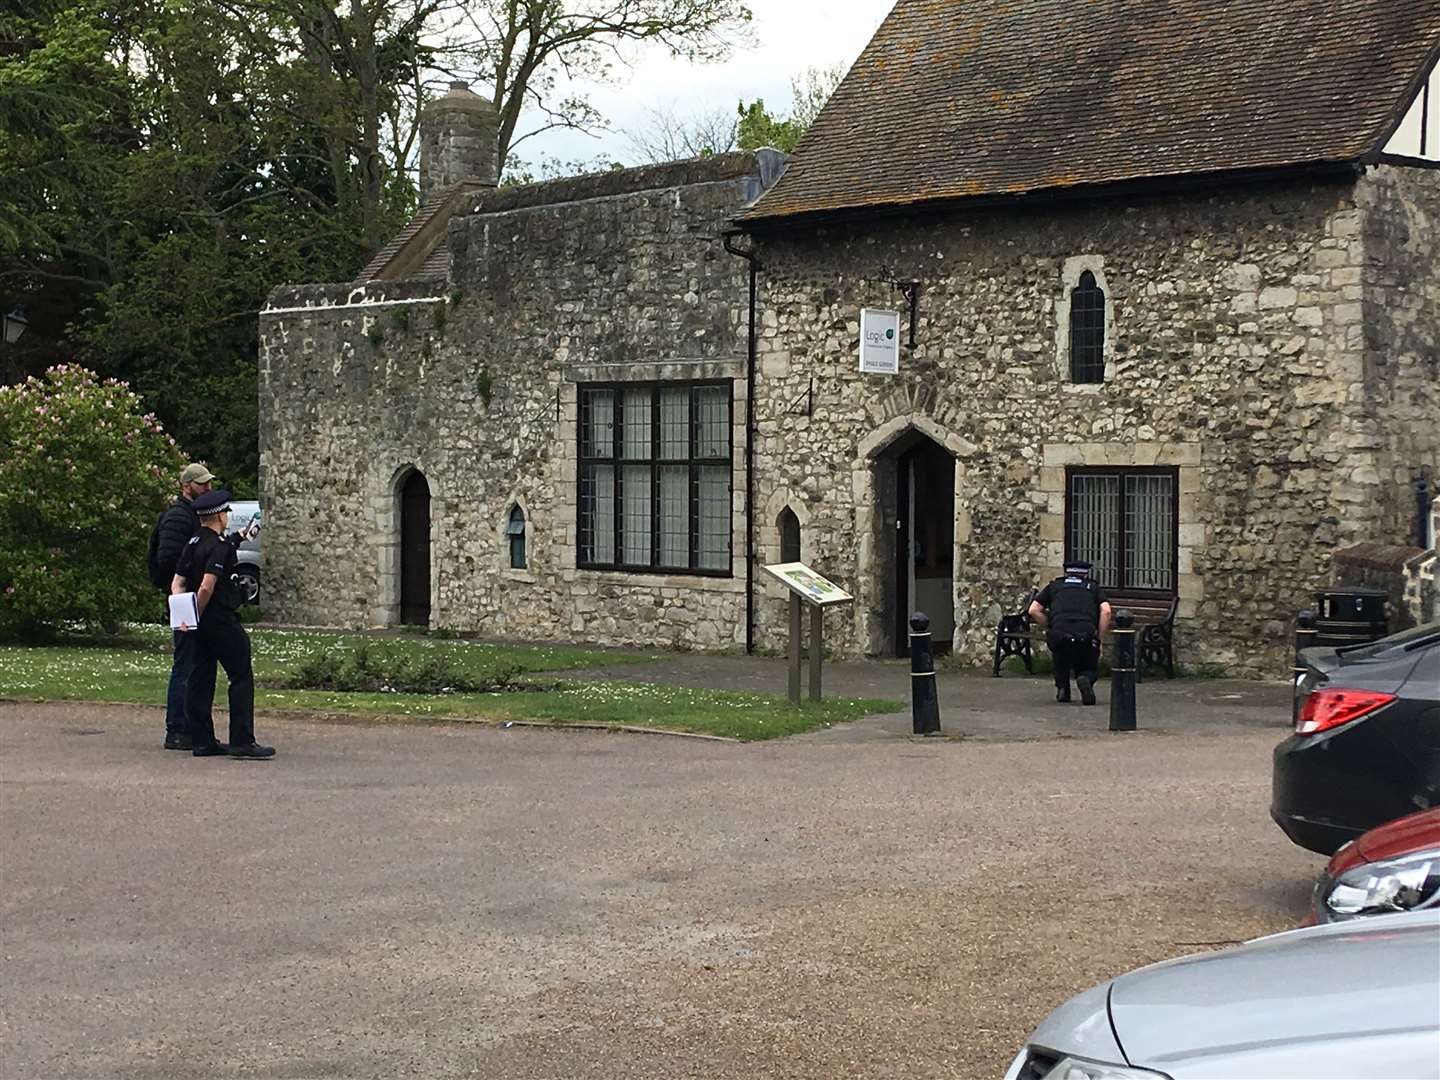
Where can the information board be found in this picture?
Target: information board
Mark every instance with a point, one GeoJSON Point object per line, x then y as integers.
{"type": "Point", "coordinates": [808, 585]}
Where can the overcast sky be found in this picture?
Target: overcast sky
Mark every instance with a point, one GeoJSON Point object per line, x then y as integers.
{"type": "Point", "coordinates": [790, 36]}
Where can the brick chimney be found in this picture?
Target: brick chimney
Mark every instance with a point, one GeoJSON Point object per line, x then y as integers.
{"type": "Point", "coordinates": [457, 140]}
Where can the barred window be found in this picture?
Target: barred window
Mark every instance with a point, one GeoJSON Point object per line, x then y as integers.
{"type": "Point", "coordinates": [655, 462]}
{"type": "Point", "coordinates": [1124, 522]}
{"type": "Point", "coordinates": [1087, 331]}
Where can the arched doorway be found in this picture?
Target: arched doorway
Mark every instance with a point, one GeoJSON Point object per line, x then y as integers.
{"type": "Point", "coordinates": [915, 487]}
{"type": "Point", "coordinates": [415, 550]}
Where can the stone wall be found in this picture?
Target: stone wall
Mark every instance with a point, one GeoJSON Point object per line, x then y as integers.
{"type": "Point", "coordinates": [474, 384]}
{"type": "Point", "coordinates": [1395, 408]}
{"type": "Point", "coordinates": [1236, 336]}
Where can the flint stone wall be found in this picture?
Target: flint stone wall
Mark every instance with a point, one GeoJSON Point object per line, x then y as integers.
{"type": "Point", "coordinates": [474, 383]}
{"type": "Point", "coordinates": [1247, 347]}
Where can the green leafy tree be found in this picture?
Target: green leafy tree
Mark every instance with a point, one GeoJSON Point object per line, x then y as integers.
{"type": "Point", "coordinates": [83, 474]}
{"type": "Point", "coordinates": [757, 127]}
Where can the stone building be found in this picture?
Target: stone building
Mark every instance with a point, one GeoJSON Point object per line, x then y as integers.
{"type": "Point", "coordinates": [1174, 292]}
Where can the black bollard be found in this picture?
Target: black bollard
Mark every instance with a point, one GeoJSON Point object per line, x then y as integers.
{"type": "Point", "coordinates": [1305, 635]}
{"type": "Point", "coordinates": [922, 677]}
{"type": "Point", "coordinates": [1122, 673]}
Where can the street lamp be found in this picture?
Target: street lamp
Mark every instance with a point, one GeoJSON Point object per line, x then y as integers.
{"type": "Point", "coordinates": [15, 324]}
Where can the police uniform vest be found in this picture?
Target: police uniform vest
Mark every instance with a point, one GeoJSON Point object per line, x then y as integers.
{"type": "Point", "coordinates": [1074, 603]}
{"type": "Point", "coordinates": [210, 553]}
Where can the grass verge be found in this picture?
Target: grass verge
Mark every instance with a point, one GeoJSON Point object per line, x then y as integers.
{"type": "Point", "coordinates": [134, 670]}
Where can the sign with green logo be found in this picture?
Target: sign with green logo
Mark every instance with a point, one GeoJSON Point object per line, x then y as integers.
{"type": "Point", "coordinates": [879, 342]}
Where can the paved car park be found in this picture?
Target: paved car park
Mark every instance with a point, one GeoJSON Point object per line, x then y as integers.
{"type": "Point", "coordinates": [447, 901]}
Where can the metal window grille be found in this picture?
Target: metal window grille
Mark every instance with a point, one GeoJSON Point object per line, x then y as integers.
{"type": "Point", "coordinates": [1124, 522]}
{"type": "Point", "coordinates": [1087, 331]}
{"type": "Point", "coordinates": [655, 468]}
{"type": "Point", "coordinates": [1150, 532]}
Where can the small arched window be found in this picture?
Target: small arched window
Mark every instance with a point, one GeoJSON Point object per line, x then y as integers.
{"type": "Point", "coordinates": [515, 531]}
{"type": "Point", "coordinates": [789, 536]}
{"type": "Point", "coordinates": [1087, 331]}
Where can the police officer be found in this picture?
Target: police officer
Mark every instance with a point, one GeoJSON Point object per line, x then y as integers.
{"type": "Point", "coordinates": [205, 568]}
{"type": "Point", "coordinates": [1076, 614]}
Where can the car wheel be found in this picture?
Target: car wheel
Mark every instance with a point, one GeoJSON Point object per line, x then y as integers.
{"type": "Point", "coordinates": [248, 580]}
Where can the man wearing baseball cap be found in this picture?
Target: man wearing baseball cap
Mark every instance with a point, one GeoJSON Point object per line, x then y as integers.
{"type": "Point", "coordinates": [172, 532]}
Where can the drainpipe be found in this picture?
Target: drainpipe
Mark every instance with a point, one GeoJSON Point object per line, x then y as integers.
{"type": "Point", "coordinates": [749, 256]}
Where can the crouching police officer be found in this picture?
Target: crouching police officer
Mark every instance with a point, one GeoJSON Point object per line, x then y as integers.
{"type": "Point", "coordinates": [205, 567]}
{"type": "Point", "coordinates": [1076, 614]}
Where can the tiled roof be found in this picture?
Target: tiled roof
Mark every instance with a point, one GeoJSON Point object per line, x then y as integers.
{"type": "Point", "coordinates": [411, 252]}
{"type": "Point", "coordinates": [959, 98]}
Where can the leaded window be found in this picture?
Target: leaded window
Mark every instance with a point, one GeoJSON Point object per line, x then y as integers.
{"type": "Point", "coordinates": [655, 461]}
{"type": "Point", "coordinates": [515, 533]}
{"type": "Point", "coordinates": [1124, 522]}
{"type": "Point", "coordinates": [1087, 331]}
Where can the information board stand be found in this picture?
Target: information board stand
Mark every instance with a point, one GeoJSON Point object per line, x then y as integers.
{"type": "Point", "coordinates": [807, 588]}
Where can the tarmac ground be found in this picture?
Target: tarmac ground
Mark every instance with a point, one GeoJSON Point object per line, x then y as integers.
{"type": "Point", "coordinates": [457, 900]}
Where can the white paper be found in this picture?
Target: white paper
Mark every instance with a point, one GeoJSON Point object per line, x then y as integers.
{"type": "Point", "coordinates": [184, 615]}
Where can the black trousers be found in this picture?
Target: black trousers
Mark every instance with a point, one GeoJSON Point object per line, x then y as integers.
{"type": "Point", "coordinates": [1074, 652]}
{"type": "Point", "coordinates": [220, 639]}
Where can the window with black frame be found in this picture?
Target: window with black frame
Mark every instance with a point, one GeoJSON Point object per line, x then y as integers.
{"type": "Point", "coordinates": [1087, 331]}
{"type": "Point", "coordinates": [1124, 522]}
{"type": "Point", "coordinates": [654, 481]}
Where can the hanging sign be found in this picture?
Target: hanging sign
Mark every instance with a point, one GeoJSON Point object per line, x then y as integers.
{"type": "Point", "coordinates": [879, 342]}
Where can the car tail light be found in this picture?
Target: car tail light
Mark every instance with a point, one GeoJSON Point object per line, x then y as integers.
{"type": "Point", "coordinates": [1326, 709]}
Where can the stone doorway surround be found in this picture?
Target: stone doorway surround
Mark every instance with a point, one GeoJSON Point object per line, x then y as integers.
{"type": "Point", "coordinates": [385, 523]}
{"type": "Point", "coordinates": [874, 623]}
{"type": "Point", "coordinates": [1184, 457]}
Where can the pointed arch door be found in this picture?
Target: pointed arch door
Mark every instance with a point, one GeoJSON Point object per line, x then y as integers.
{"type": "Point", "coordinates": [415, 551]}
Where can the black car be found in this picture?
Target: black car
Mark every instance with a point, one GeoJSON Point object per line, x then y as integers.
{"type": "Point", "coordinates": [1366, 747]}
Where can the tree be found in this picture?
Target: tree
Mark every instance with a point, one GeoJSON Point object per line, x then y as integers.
{"type": "Point", "coordinates": [756, 127]}
{"type": "Point", "coordinates": [166, 163]}
{"type": "Point", "coordinates": [83, 475]}
{"type": "Point", "coordinates": [669, 136]}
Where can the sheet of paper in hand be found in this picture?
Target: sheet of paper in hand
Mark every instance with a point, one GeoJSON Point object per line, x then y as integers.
{"type": "Point", "coordinates": [184, 615]}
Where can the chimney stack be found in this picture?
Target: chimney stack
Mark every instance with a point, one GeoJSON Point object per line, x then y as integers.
{"type": "Point", "coordinates": [458, 134]}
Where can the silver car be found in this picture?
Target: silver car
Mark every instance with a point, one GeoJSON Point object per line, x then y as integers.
{"type": "Point", "coordinates": [1346, 1001]}
{"type": "Point", "coordinates": [245, 518]}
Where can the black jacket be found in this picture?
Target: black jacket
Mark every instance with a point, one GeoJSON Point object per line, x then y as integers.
{"type": "Point", "coordinates": [177, 525]}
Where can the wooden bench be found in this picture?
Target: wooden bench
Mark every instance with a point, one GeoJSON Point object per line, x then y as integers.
{"type": "Point", "coordinates": [1017, 634]}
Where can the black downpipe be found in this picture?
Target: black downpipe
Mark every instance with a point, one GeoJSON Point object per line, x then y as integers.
{"type": "Point", "coordinates": [754, 263]}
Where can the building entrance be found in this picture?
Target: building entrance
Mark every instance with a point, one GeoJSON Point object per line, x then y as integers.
{"type": "Point", "coordinates": [415, 551]}
{"type": "Point", "coordinates": [924, 552]}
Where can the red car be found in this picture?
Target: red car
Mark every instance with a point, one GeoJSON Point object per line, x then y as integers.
{"type": "Point", "coordinates": [1394, 867]}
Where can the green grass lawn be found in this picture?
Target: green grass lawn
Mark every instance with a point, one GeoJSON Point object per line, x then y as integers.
{"type": "Point", "coordinates": [135, 670]}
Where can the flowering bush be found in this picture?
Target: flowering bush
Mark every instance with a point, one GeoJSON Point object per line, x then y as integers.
{"type": "Point", "coordinates": [83, 475]}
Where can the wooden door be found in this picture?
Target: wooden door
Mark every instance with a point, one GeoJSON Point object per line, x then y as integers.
{"type": "Point", "coordinates": [415, 551]}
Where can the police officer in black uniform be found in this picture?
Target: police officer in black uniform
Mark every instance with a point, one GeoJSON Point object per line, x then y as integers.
{"type": "Point", "coordinates": [205, 568]}
{"type": "Point", "coordinates": [1076, 614]}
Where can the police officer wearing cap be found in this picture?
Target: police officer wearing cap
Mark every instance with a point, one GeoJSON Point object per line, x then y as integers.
{"type": "Point", "coordinates": [205, 568]}
{"type": "Point", "coordinates": [1076, 614]}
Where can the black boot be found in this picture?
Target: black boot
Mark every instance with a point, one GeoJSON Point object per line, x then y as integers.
{"type": "Point", "coordinates": [253, 750]}
{"type": "Point", "coordinates": [1062, 694]}
{"type": "Point", "coordinates": [178, 740]}
{"type": "Point", "coordinates": [1087, 689]}
{"type": "Point", "coordinates": [214, 749]}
